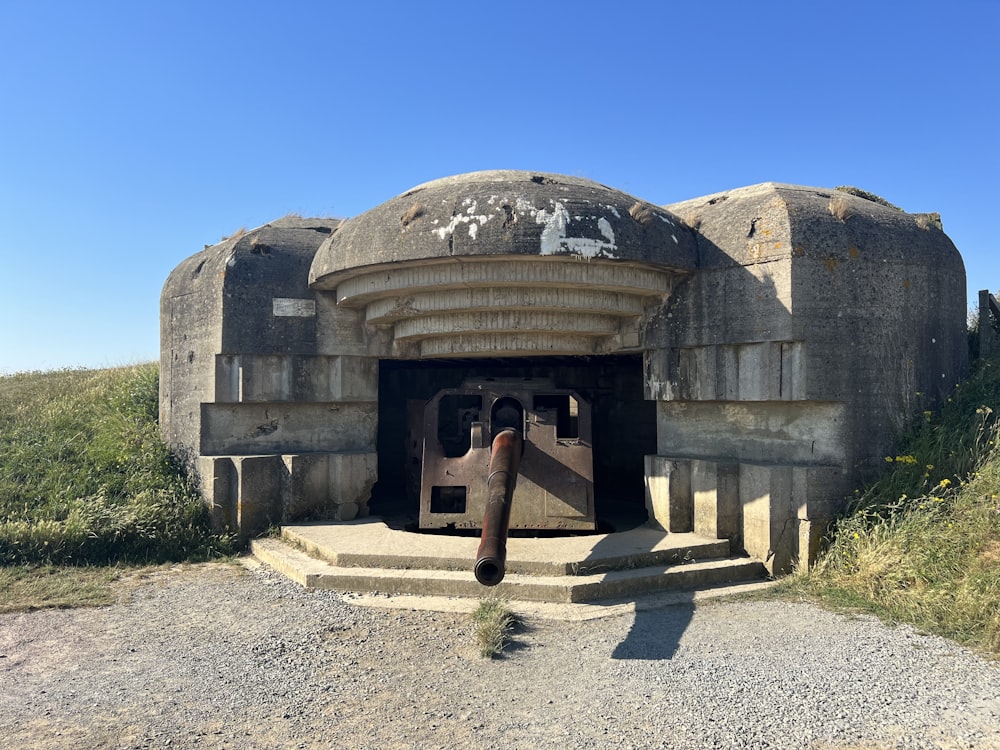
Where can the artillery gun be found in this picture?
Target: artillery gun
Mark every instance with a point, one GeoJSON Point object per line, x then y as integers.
{"type": "Point", "coordinates": [478, 442]}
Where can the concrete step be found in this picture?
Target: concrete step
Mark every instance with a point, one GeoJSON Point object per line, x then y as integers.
{"type": "Point", "coordinates": [369, 556]}
{"type": "Point", "coordinates": [314, 573]}
{"type": "Point", "coordinates": [371, 543]}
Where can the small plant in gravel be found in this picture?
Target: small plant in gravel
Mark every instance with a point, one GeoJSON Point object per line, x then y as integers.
{"type": "Point", "coordinates": [493, 622]}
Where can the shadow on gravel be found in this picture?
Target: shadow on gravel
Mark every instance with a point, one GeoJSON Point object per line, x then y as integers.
{"type": "Point", "coordinates": [656, 633]}
{"type": "Point", "coordinates": [514, 642]}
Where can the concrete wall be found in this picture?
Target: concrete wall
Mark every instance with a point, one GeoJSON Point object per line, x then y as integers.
{"type": "Point", "coordinates": [277, 419]}
{"type": "Point", "coordinates": [818, 324]}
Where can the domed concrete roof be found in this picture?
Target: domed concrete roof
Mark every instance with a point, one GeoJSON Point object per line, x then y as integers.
{"type": "Point", "coordinates": [507, 213]}
{"type": "Point", "coordinates": [506, 264]}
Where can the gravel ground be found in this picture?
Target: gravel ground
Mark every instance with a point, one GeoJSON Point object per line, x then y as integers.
{"type": "Point", "coordinates": [219, 656]}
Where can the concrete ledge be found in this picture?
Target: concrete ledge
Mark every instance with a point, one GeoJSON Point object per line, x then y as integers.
{"type": "Point", "coordinates": [800, 433]}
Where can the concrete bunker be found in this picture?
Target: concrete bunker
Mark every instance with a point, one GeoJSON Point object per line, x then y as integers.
{"type": "Point", "coordinates": [732, 366]}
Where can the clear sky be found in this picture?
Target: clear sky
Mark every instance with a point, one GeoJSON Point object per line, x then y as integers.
{"type": "Point", "coordinates": [134, 133]}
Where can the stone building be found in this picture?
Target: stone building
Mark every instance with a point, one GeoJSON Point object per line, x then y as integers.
{"type": "Point", "coordinates": [746, 358]}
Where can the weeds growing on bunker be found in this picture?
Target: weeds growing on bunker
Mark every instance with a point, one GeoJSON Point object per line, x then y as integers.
{"type": "Point", "coordinates": [922, 544]}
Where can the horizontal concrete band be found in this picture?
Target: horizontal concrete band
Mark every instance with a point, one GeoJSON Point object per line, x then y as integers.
{"type": "Point", "coordinates": [544, 299]}
{"type": "Point", "coordinates": [750, 371]}
{"type": "Point", "coordinates": [280, 428]}
{"type": "Point", "coordinates": [503, 272]}
{"type": "Point", "coordinates": [506, 321]}
{"type": "Point", "coordinates": [492, 345]}
{"type": "Point", "coordinates": [294, 377]}
{"type": "Point", "coordinates": [796, 433]}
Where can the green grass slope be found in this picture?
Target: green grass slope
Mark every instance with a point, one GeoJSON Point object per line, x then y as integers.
{"type": "Point", "coordinates": [85, 477]}
{"type": "Point", "coordinates": [922, 545]}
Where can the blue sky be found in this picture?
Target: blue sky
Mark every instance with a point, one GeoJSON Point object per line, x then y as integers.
{"type": "Point", "coordinates": [134, 133]}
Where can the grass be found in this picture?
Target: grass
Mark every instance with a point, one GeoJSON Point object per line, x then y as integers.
{"type": "Point", "coordinates": [922, 545]}
{"type": "Point", "coordinates": [86, 480]}
{"type": "Point", "coordinates": [27, 587]}
{"type": "Point", "coordinates": [493, 622]}
{"type": "Point", "coordinates": [840, 208]}
{"type": "Point", "coordinates": [851, 190]}
{"type": "Point", "coordinates": [641, 212]}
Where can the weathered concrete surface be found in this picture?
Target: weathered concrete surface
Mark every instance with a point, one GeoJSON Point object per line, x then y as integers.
{"type": "Point", "coordinates": [371, 543]}
{"type": "Point", "coordinates": [222, 301]}
{"type": "Point", "coordinates": [282, 427]}
{"type": "Point", "coordinates": [786, 334]}
{"type": "Point", "coordinates": [370, 556]}
{"type": "Point", "coordinates": [669, 501]}
{"type": "Point", "coordinates": [561, 589]}
{"type": "Point", "coordinates": [494, 306]}
{"type": "Point", "coordinates": [836, 318]}
{"type": "Point", "coordinates": [251, 493]}
{"type": "Point", "coordinates": [506, 213]}
{"type": "Point", "coordinates": [787, 432]}
{"type": "Point", "coordinates": [246, 382]}
{"type": "Point", "coordinates": [506, 263]}
{"type": "Point", "coordinates": [247, 378]}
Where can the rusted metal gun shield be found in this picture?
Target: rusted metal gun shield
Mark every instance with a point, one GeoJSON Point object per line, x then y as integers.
{"type": "Point", "coordinates": [555, 486]}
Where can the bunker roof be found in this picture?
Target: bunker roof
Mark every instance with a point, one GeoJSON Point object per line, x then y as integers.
{"type": "Point", "coordinates": [507, 212]}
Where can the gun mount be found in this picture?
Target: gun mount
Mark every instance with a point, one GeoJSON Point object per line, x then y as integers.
{"type": "Point", "coordinates": [482, 439]}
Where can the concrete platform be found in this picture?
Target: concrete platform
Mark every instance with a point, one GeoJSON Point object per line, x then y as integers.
{"type": "Point", "coordinates": [370, 556]}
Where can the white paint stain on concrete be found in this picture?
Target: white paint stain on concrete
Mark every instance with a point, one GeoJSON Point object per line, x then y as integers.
{"type": "Point", "coordinates": [605, 226]}
{"type": "Point", "coordinates": [555, 239]}
{"type": "Point", "coordinates": [556, 225]}
{"type": "Point", "coordinates": [554, 230]}
{"type": "Point", "coordinates": [474, 219]}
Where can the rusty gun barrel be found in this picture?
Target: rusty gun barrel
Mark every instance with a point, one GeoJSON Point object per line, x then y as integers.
{"type": "Point", "coordinates": [505, 460]}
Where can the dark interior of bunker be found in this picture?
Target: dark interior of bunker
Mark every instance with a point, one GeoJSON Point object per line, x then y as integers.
{"type": "Point", "coordinates": [623, 426]}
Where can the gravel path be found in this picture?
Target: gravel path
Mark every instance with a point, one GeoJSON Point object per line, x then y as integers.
{"type": "Point", "coordinates": [217, 656]}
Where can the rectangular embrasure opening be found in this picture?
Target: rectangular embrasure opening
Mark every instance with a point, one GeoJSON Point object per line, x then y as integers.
{"type": "Point", "coordinates": [562, 410]}
{"type": "Point", "coordinates": [448, 499]}
{"type": "Point", "coordinates": [456, 413]}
